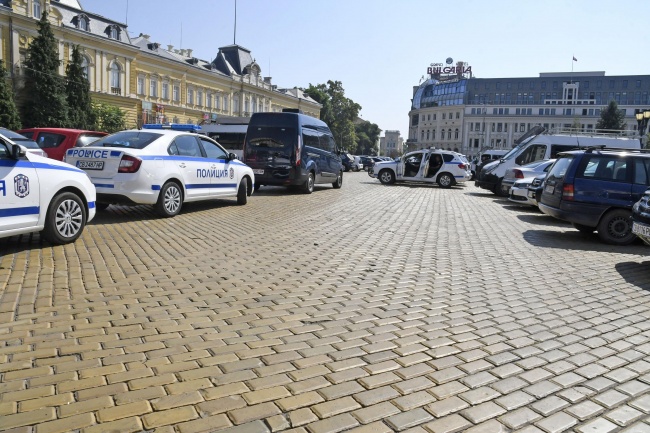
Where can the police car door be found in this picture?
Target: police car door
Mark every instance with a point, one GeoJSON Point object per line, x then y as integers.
{"type": "Point", "coordinates": [222, 173]}
{"type": "Point", "coordinates": [413, 164]}
{"type": "Point", "coordinates": [19, 191]}
{"type": "Point", "coordinates": [192, 165]}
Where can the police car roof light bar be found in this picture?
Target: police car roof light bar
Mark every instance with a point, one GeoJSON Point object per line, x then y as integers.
{"type": "Point", "coordinates": [174, 126]}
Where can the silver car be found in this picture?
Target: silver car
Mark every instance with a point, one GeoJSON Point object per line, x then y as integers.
{"type": "Point", "coordinates": [533, 169]}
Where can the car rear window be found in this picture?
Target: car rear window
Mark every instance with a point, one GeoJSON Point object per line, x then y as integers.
{"type": "Point", "coordinates": [129, 139]}
{"type": "Point", "coordinates": [603, 167]}
{"type": "Point", "coordinates": [270, 140]}
{"type": "Point", "coordinates": [48, 140]}
{"type": "Point", "coordinates": [447, 157]}
{"type": "Point", "coordinates": [560, 167]}
{"type": "Point", "coordinates": [86, 139]}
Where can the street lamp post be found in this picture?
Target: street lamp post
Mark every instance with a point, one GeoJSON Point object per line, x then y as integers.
{"type": "Point", "coordinates": [642, 117]}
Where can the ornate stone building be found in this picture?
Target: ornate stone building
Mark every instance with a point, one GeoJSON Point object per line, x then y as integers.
{"type": "Point", "coordinates": [149, 82]}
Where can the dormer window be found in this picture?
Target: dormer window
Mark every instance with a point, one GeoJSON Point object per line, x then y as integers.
{"type": "Point", "coordinates": [83, 23]}
{"type": "Point", "coordinates": [113, 32]}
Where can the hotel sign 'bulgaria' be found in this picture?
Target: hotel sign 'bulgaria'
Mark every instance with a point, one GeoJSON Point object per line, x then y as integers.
{"type": "Point", "coordinates": [439, 68]}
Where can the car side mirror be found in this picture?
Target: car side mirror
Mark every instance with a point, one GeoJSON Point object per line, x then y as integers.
{"type": "Point", "coordinates": [232, 156]}
{"type": "Point", "coordinates": [17, 151]}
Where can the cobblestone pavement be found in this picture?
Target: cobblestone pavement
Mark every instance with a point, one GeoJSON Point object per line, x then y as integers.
{"type": "Point", "coordinates": [365, 309]}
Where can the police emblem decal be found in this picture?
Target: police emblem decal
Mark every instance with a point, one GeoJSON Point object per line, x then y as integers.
{"type": "Point", "coordinates": [21, 185]}
{"type": "Point", "coordinates": [232, 173]}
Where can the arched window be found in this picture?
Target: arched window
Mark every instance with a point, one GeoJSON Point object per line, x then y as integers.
{"type": "Point", "coordinates": [235, 104]}
{"type": "Point", "coordinates": [82, 23]}
{"type": "Point", "coordinates": [85, 67]}
{"type": "Point", "coordinates": [433, 135]}
{"type": "Point", "coordinates": [456, 134]}
{"type": "Point", "coordinates": [449, 134]}
{"type": "Point", "coordinates": [115, 75]}
{"type": "Point", "coordinates": [422, 139]}
{"type": "Point", "coordinates": [427, 135]}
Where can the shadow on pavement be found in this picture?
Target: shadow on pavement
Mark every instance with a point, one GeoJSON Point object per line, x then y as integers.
{"type": "Point", "coordinates": [574, 240]}
{"type": "Point", "coordinates": [521, 208]}
{"type": "Point", "coordinates": [635, 273]}
{"type": "Point", "coordinates": [539, 218]}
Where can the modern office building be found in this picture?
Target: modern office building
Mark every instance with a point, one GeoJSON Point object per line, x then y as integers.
{"type": "Point", "coordinates": [148, 81]}
{"type": "Point", "coordinates": [453, 110]}
{"type": "Point", "coordinates": [391, 144]}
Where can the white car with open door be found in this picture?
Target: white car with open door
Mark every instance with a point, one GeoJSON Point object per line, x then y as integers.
{"type": "Point", "coordinates": [446, 168]}
{"type": "Point", "coordinates": [162, 165]}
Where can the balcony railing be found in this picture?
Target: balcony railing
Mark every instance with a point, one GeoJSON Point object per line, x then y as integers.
{"type": "Point", "coordinates": [116, 90]}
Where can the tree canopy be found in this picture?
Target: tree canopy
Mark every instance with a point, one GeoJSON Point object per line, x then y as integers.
{"type": "Point", "coordinates": [45, 98]}
{"type": "Point", "coordinates": [367, 138]}
{"type": "Point", "coordinates": [80, 112]}
{"type": "Point", "coordinates": [9, 117]}
{"type": "Point", "coordinates": [611, 118]}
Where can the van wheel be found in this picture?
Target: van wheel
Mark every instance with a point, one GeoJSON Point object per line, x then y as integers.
{"type": "Point", "coordinates": [170, 200]}
{"type": "Point", "coordinates": [339, 181]}
{"type": "Point", "coordinates": [583, 228]}
{"type": "Point", "coordinates": [615, 228]}
{"type": "Point", "coordinates": [242, 192]}
{"type": "Point", "coordinates": [445, 180]}
{"type": "Point", "coordinates": [65, 219]}
{"type": "Point", "coordinates": [308, 186]}
{"type": "Point", "coordinates": [387, 177]}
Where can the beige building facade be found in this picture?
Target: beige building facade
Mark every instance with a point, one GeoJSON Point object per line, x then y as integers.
{"type": "Point", "coordinates": [391, 144]}
{"type": "Point", "coordinates": [149, 82]}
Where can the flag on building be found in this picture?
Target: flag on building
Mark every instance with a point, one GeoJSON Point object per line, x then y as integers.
{"type": "Point", "coordinates": [574, 59]}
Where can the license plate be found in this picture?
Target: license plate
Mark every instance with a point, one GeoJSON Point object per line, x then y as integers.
{"type": "Point", "coordinates": [549, 189]}
{"type": "Point", "coordinates": [91, 165]}
{"type": "Point", "coordinates": [640, 229]}
{"type": "Point", "coordinates": [258, 171]}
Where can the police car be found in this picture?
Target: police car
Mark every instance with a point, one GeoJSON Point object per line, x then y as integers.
{"type": "Point", "coordinates": [162, 165]}
{"type": "Point", "coordinates": [41, 194]}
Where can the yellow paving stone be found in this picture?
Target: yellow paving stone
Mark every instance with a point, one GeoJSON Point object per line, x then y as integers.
{"type": "Point", "coordinates": [141, 394]}
{"type": "Point", "coordinates": [76, 385]}
{"type": "Point", "coordinates": [66, 425]}
{"type": "Point", "coordinates": [124, 411]}
{"type": "Point", "coordinates": [268, 394]}
{"type": "Point", "coordinates": [170, 416]}
{"type": "Point", "coordinates": [171, 401]}
{"type": "Point", "coordinates": [110, 390]}
{"type": "Point", "coordinates": [28, 394]}
{"type": "Point", "coordinates": [52, 379]}
{"type": "Point", "coordinates": [126, 425]}
{"type": "Point", "coordinates": [101, 371]}
{"type": "Point", "coordinates": [220, 405]}
{"type": "Point", "coordinates": [27, 418]}
{"type": "Point", "coordinates": [162, 379]}
{"type": "Point", "coordinates": [183, 387]}
{"type": "Point", "coordinates": [77, 365]}
{"type": "Point", "coordinates": [9, 407]}
{"type": "Point", "coordinates": [298, 401]}
{"type": "Point", "coordinates": [203, 425]}
{"type": "Point", "coordinates": [251, 413]}
{"type": "Point", "coordinates": [51, 401]}
{"type": "Point", "coordinates": [85, 406]}
{"type": "Point", "coordinates": [224, 390]}
{"type": "Point", "coordinates": [129, 375]}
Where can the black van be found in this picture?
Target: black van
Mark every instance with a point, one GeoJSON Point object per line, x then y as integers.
{"type": "Point", "coordinates": [292, 149]}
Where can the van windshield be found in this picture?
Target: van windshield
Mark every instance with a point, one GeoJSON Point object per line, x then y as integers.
{"type": "Point", "coordinates": [515, 150]}
{"type": "Point", "coordinates": [264, 142]}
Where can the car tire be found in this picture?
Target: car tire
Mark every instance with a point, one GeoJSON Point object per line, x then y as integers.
{"type": "Point", "coordinates": [615, 227]}
{"type": "Point", "coordinates": [445, 180]}
{"type": "Point", "coordinates": [242, 192]}
{"type": "Point", "coordinates": [355, 169]}
{"type": "Point", "coordinates": [170, 200]}
{"type": "Point", "coordinates": [308, 186]}
{"type": "Point", "coordinates": [583, 228]}
{"type": "Point", "coordinates": [386, 177]}
{"type": "Point", "coordinates": [101, 206]}
{"type": "Point", "coordinates": [339, 181]}
{"type": "Point", "coordinates": [65, 219]}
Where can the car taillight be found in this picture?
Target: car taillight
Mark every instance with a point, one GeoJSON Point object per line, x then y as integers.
{"type": "Point", "coordinates": [518, 174]}
{"type": "Point", "coordinates": [298, 149]}
{"type": "Point", "coordinates": [462, 166]}
{"type": "Point", "coordinates": [567, 191]}
{"type": "Point", "coordinates": [129, 164]}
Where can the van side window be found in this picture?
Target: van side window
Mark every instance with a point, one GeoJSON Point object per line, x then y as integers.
{"type": "Point", "coordinates": [642, 171]}
{"type": "Point", "coordinates": [310, 138]}
{"type": "Point", "coordinates": [327, 143]}
{"type": "Point", "coordinates": [533, 153]}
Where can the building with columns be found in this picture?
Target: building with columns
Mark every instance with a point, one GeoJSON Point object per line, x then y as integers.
{"type": "Point", "coordinates": [391, 144]}
{"type": "Point", "coordinates": [453, 110]}
{"type": "Point", "coordinates": [149, 82]}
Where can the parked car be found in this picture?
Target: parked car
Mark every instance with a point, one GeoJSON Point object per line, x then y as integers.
{"type": "Point", "coordinates": [595, 189]}
{"type": "Point", "coordinates": [357, 165]}
{"type": "Point", "coordinates": [641, 218]}
{"type": "Point", "coordinates": [347, 160]}
{"type": "Point", "coordinates": [56, 141]}
{"type": "Point", "coordinates": [519, 192]}
{"type": "Point", "coordinates": [369, 161]}
{"type": "Point", "coordinates": [40, 194]}
{"type": "Point", "coordinates": [535, 189]}
{"type": "Point", "coordinates": [484, 158]}
{"type": "Point", "coordinates": [30, 145]}
{"type": "Point", "coordinates": [162, 165]}
{"type": "Point", "coordinates": [529, 170]}
{"type": "Point", "coordinates": [443, 167]}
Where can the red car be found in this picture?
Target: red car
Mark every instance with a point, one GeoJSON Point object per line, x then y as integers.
{"type": "Point", "coordinates": [56, 141]}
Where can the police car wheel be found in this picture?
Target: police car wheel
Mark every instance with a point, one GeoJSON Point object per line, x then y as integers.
{"type": "Point", "coordinates": [242, 192]}
{"type": "Point", "coordinates": [65, 219]}
{"type": "Point", "coordinates": [386, 177]}
{"type": "Point", "coordinates": [339, 181]}
{"type": "Point", "coordinates": [445, 180]}
{"type": "Point", "coordinates": [170, 200]}
{"type": "Point", "coordinates": [308, 186]}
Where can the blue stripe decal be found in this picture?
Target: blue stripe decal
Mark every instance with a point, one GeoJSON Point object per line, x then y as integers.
{"type": "Point", "coordinates": [155, 187]}
{"type": "Point", "coordinates": [19, 211]}
{"type": "Point", "coordinates": [103, 185]}
{"type": "Point", "coordinates": [199, 185]}
{"type": "Point", "coordinates": [115, 153]}
{"type": "Point", "coordinates": [225, 185]}
{"type": "Point", "coordinates": [42, 165]}
{"type": "Point", "coordinates": [91, 205]}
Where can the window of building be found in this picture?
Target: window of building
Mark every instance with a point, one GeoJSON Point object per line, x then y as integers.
{"type": "Point", "coordinates": [444, 116]}
{"type": "Point", "coordinates": [140, 85]}
{"type": "Point", "coordinates": [217, 102]}
{"type": "Point", "coordinates": [176, 93]}
{"type": "Point", "coordinates": [190, 96]}
{"type": "Point", "coordinates": [85, 67]}
{"type": "Point", "coordinates": [456, 134]}
{"type": "Point", "coordinates": [638, 83]}
{"type": "Point", "coordinates": [115, 73]}
{"type": "Point", "coordinates": [235, 104]}
{"type": "Point", "coordinates": [449, 134]}
{"type": "Point", "coordinates": [199, 98]}
{"type": "Point", "coordinates": [114, 32]}
{"type": "Point", "coordinates": [36, 9]}
{"type": "Point", "coordinates": [427, 135]}
{"type": "Point", "coordinates": [434, 116]}
{"type": "Point", "coordinates": [165, 90]}
{"type": "Point", "coordinates": [153, 87]}
{"type": "Point", "coordinates": [428, 117]}
{"type": "Point", "coordinates": [82, 23]}
{"type": "Point", "coordinates": [208, 100]}
{"type": "Point", "coordinates": [611, 84]}
{"type": "Point", "coordinates": [422, 136]}
{"type": "Point", "coordinates": [226, 103]}
{"type": "Point", "coordinates": [423, 118]}
{"type": "Point", "coordinates": [458, 115]}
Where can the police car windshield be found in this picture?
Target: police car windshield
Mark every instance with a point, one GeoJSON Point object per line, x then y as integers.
{"type": "Point", "coordinates": [19, 138]}
{"type": "Point", "coordinates": [129, 139]}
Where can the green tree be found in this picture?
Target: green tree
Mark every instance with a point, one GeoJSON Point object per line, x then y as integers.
{"type": "Point", "coordinates": [367, 137]}
{"type": "Point", "coordinates": [77, 88]}
{"type": "Point", "coordinates": [44, 92]}
{"type": "Point", "coordinates": [339, 112]}
{"type": "Point", "coordinates": [611, 118]}
{"type": "Point", "coordinates": [9, 117]}
{"type": "Point", "coordinates": [109, 118]}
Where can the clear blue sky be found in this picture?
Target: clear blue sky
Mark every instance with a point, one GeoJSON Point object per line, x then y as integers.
{"type": "Point", "coordinates": [380, 49]}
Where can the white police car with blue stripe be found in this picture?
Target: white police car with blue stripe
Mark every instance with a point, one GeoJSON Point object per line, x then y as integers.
{"type": "Point", "coordinates": [162, 165]}
{"type": "Point", "coordinates": [41, 194]}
